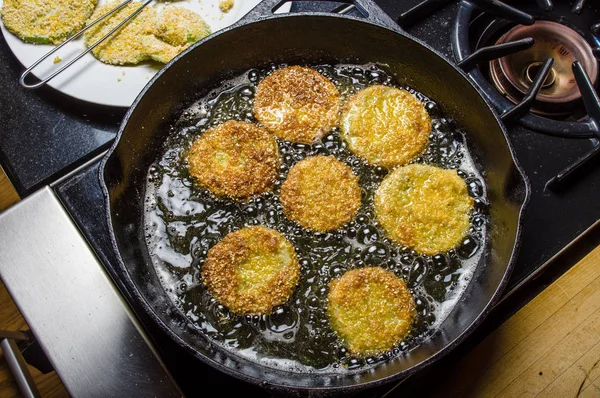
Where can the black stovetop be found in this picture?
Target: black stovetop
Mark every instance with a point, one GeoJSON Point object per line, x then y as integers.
{"type": "Point", "coordinates": [46, 135]}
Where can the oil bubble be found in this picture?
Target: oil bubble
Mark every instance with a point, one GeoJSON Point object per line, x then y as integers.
{"type": "Point", "coordinates": [367, 235]}
{"type": "Point", "coordinates": [375, 254]}
{"type": "Point", "coordinates": [468, 248]}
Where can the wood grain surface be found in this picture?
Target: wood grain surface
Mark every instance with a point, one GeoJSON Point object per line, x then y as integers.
{"type": "Point", "coordinates": [550, 348]}
{"type": "Point", "coordinates": [8, 195]}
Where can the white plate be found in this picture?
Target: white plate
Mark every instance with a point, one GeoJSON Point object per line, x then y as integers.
{"type": "Point", "coordinates": [92, 81]}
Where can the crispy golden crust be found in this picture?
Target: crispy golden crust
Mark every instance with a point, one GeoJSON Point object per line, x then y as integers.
{"type": "Point", "coordinates": [320, 193]}
{"type": "Point", "coordinates": [370, 309]}
{"type": "Point", "coordinates": [252, 270]}
{"type": "Point", "coordinates": [178, 26]}
{"type": "Point", "coordinates": [385, 126]}
{"type": "Point", "coordinates": [46, 21]}
{"type": "Point", "coordinates": [126, 46]}
{"type": "Point", "coordinates": [424, 207]}
{"type": "Point", "coordinates": [235, 159]}
{"type": "Point", "coordinates": [297, 104]}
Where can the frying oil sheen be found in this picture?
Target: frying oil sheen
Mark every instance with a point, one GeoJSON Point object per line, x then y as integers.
{"type": "Point", "coordinates": [183, 222]}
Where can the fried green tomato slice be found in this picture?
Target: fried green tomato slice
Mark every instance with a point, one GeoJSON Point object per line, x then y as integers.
{"type": "Point", "coordinates": [252, 270]}
{"type": "Point", "coordinates": [370, 309]}
{"type": "Point", "coordinates": [178, 26]}
{"type": "Point", "coordinates": [424, 207]}
{"type": "Point", "coordinates": [320, 193]}
{"type": "Point", "coordinates": [235, 159]}
{"type": "Point", "coordinates": [125, 46]}
{"type": "Point", "coordinates": [385, 126]}
{"type": "Point", "coordinates": [297, 104]}
{"type": "Point", "coordinates": [46, 21]}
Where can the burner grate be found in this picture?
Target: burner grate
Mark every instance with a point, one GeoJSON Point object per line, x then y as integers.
{"type": "Point", "coordinates": [472, 29]}
{"type": "Point", "coordinates": [587, 126]}
{"type": "Point", "coordinates": [560, 96]}
{"type": "Point", "coordinates": [520, 106]}
{"type": "Point", "coordinates": [592, 105]}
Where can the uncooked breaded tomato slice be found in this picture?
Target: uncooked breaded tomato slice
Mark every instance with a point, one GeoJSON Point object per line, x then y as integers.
{"type": "Point", "coordinates": [321, 193]}
{"type": "Point", "coordinates": [385, 126]}
{"type": "Point", "coordinates": [424, 207]}
{"type": "Point", "coordinates": [235, 159]}
{"type": "Point", "coordinates": [46, 21]}
{"type": "Point", "coordinates": [156, 33]}
{"type": "Point", "coordinates": [297, 104]}
{"type": "Point", "coordinates": [125, 46]}
{"type": "Point", "coordinates": [370, 309]}
{"type": "Point", "coordinates": [179, 26]}
{"type": "Point", "coordinates": [252, 270]}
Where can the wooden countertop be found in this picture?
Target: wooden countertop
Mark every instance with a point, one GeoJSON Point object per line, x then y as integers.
{"type": "Point", "coordinates": [549, 348]}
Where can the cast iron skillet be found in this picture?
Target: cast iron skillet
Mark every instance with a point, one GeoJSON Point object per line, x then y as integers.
{"type": "Point", "coordinates": [262, 38]}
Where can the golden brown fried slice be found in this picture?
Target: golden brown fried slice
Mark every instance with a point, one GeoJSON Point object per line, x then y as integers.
{"type": "Point", "coordinates": [370, 309]}
{"type": "Point", "coordinates": [320, 193]}
{"type": "Point", "coordinates": [235, 159]}
{"type": "Point", "coordinates": [126, 46]}
{"type": "Point", "coordinates": [297, 104]}
{"type": "Point", "coordinates": [178, 26]}
{"type": "Point", "coordinates": [46, 21]}
{"type": "Point", "coordinates": [385, 126]}
{"type": "Point", "coordinates": [252, 270]}
{"type": "Point", "coordinates": [424, 207]}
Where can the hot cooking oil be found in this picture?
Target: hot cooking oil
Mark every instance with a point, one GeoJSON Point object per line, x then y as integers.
{"type": "Point", "coordinates": [183, 222]}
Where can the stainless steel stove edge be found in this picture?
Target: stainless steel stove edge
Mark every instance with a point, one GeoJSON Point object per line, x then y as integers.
{"type": "Point", "coordinates": [86, 329]}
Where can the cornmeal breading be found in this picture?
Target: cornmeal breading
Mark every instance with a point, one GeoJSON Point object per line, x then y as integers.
{"type": "Point", "coordinates": [297, 104]}
{"type": "Point", "coordinates": [321, 193]}
{"type": "Point", "coordinates": [126, 46]}
{"type": "Point", "coordinates": [252, 270]}
{"type": "Point", "coordinates": [226, 5]}
{"type": "Point", "coordinates": [370, 309]}
{"type": "Point", "coordinates": [157, 34]}
{"type": "Point", "coordinates": [158, 50]}
{"type": "Point", "coordinates": [424, 207]}
{"type": "Point", "coordinates": [46, 21]}
{"type": "Point", "coordinates": [178, 26]}
{"type": "Point", "coordinates": [235, 159]}
{"type": "Point", "coordinates": [385, 126]}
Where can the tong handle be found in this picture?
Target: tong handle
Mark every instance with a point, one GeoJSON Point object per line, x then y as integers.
{"type": "Point", "coordinates": [76, 35]}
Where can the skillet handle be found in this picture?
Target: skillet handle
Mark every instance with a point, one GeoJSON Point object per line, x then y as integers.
{"type": "Point", "coordinates": [369, 10]}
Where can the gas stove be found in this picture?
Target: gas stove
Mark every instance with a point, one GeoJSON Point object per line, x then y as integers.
{"type": "Point", "coordinates": [520, 58]}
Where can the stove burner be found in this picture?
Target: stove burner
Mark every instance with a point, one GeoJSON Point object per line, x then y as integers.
{"type": "Point", "coordinates": [557, 106]}
{"type": "Point", "coordinates": [514, 74]}
{"type": "Point", "coordinates": [532, 71]}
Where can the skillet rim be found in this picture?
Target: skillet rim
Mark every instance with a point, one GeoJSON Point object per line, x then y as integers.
{"type": "Point", "coordinates": [399, 376]}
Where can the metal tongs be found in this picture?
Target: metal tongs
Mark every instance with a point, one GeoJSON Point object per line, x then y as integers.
{"type": "Point", "coordinates": [76, 35]}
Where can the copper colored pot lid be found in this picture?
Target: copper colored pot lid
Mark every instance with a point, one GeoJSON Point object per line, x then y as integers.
{"type": "Point", "coordinates": [551, 40]}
